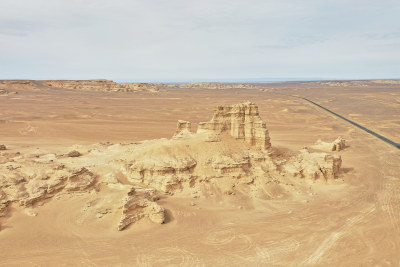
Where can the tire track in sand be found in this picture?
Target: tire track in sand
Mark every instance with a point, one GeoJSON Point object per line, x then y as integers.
{"type": "Point", "coordinates": [332, 238]}
{"type": "Point", "coordinates": [273, 252]}
{"type": "Point", "coordinates": [168, 256]}
{"type": "Point", "coordinates": [389, 195]}
{"type": "Point", "coordinates": [225, 238]}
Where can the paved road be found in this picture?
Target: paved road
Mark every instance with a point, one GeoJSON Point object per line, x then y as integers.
{"type": "Point", "coordinates": [385, 139]}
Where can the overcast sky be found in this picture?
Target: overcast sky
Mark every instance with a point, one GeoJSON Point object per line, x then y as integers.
{"type": "Point", "coordinates": [181, 40]}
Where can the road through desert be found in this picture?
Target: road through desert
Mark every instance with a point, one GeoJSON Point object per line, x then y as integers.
{"type": "Point", "coordinates": [350, 220]}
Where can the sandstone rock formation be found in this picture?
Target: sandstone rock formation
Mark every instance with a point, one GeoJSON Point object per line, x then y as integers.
{"type": "Point", "coordinates": [336, 145]}
{"type": "Point", "coordinates": [242, 121]}
{"type": "Point", "coordinates": [183, 129]}
{"type": "Point", "coordinates": [239, 154]}
{"type": "Point", "coordinates": [339, 144]}
{"type": "Point", "coordinates": [139, 203]}
{"type": "Point", "coordinates": [3, 147]}
{"type": "Point", "coordinates": [125, 179]}
{"type": "Point", "coordinates": [28, 180]}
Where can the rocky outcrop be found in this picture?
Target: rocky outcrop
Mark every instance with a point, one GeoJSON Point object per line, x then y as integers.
{"type": "Point", "coordinates": [33, 181]}
{"type": "Point", "coordinates": [181, 164]}
{"type": "Point", "coordinates": [242, 121]}
{"type": "Point", "coordinates": [101, 85]}
{"type": "Point", "coordinates": [87, 85]}
{"type": "Point", "coordinates": [166, 173]}
{"type": "Point", "coordinates": [139, 203]}
{"type": "Point", "coordinates": [137, 87]}
{"type": "Point", "coordinates": [214, 85]}
{"type": "Point", "coordinates": [313, 165]}
{"type": "Point", "coordinates": [186, 165]}
{"type": "Point", "coordinates": [80, 180]}
{"type": "Point", "coordinates": [229, 154]}
{"type": "Point", "coordinates": [183, 130]}
{"type": "Point", "coordinates": [233, 165]}
{"type": "Point", "coordinates": [29, 179]}
{"type": "Point", "coordinates": [337, 145]}
{"type": "Point", "coordinates": [74, 154]}
{"type": "Point", "coordinates": [183, 126]}
{"type": "Point", "coordinates": [83, 85]}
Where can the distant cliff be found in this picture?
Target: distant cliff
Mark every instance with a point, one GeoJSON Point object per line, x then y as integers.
{"type": "Point", "coordinates": [215, 85]}
{"type": "Point", "coordinates": [85, 85]}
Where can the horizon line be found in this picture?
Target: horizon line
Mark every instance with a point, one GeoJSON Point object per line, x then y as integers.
{"type": "Point", "coordinates": [221, 80]}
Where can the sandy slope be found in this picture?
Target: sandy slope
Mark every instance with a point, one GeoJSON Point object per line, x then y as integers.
{"type": "Point", "coordinates": [351, 222]}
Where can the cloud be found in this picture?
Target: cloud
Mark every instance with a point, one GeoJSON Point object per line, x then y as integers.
{"type": "Point", "coordinates": [182, 39]}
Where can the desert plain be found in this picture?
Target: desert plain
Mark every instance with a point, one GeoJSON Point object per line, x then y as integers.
{"type": "Point", "coordinates": [228, 200]}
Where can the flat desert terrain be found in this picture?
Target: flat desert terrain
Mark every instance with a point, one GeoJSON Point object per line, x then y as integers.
{"type": "Point", "coordinates": [258, 213]}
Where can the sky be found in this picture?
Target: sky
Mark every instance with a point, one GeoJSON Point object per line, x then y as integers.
{"type": "Point", "coordinates": [199, 40]}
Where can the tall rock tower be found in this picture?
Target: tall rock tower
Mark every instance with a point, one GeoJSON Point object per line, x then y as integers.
{"type": "Point", "coordinates": [242, 121]}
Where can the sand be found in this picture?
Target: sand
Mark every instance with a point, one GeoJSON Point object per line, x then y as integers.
{"type": "Point", "coordinates": [354, 221]}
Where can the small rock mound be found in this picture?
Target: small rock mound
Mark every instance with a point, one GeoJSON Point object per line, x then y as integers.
{"type": "Point", "coordinates": [183, 129]}
{"type": "Point", "coordinates": [74, 154]}
{"type": "Point", "coordinates": [336, 145]}
{"type": "Point", "coordinates": [139, 203]}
